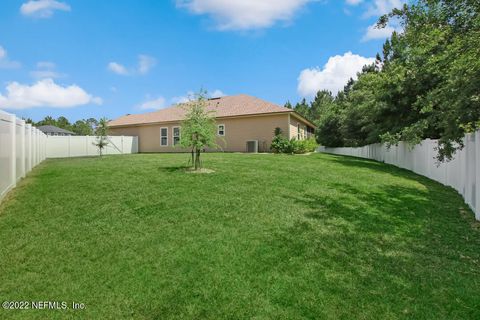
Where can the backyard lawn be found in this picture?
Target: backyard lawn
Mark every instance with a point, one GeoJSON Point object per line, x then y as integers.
{"type": "Point", "coordinates": [264, 237]}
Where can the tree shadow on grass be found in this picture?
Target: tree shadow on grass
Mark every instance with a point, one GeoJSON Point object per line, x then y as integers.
{"type": "Point", "coordinates": [362, 163]}
{"type": "Point", "coordinates": [396, 251]}
{"type": "Point", "coordinates": [381, 211]}
{"type": "Point", "coordinates": [172, 169]}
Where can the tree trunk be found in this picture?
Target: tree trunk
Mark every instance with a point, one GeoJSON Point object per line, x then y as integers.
{"type": "Point", "coordinates": [193, 157]}
{"type": "Point", "coordinates": [197, 159]}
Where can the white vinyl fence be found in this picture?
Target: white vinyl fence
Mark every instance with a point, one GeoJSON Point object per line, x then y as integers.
{"type": "Point", "coordinates": [83, 146]}
{"type": "Point", "coordinates": [22, 147]}
{"type": "Point", "coordinates": [462, 173]}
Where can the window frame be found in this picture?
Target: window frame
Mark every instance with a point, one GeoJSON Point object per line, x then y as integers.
{"type": "Point", "coordinates": [166, 136]}
{"type": "Point", "coordinates": [218, 130]}
{"type": "Point", "coordinates": [174, 136]}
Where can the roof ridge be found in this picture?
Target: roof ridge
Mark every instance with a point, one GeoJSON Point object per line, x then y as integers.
{"type": "Point", "coordinates": [226, 106]}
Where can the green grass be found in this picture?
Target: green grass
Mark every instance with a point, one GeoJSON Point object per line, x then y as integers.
{"type": "Point", "coordinates": [264, 237]}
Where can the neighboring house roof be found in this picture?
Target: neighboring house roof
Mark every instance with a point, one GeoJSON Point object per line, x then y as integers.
{"type": "Point", "coordinates": [53, 129]}
{"type": "Point", "coordinates": [229, 106]}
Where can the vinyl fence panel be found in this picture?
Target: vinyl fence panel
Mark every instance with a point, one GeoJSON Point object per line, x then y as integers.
{"type": "Point", "coordinates": [462, 173]}
{"type": "Point", "coordinates": [21, 148]}
{"type": "Point", "coordinates": [84, 146]}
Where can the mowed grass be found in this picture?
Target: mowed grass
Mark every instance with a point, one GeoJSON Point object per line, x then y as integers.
{"type": "Point", "coordinates": [263, 237]}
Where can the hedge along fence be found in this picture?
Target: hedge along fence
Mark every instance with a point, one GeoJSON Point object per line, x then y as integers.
{"type": "Point", "coordinates": [83, 146]}
{"type": "Point", "coordinates": [462, 173]}
{"type": "Point", "coordinates": [22, 147]}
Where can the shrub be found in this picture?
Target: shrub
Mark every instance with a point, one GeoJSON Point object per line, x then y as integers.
{"type": "Point", "coordinates": [280, 144]}
{"type": "Point", "coordinates": [304, 146]}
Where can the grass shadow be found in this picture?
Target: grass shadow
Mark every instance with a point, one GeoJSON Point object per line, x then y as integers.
{"type": "Point", "coordinates": [171, 169]}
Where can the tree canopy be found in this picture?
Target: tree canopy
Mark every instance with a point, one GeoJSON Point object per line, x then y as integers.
{"type": "Point", "coordinates": [424, 84]}
{"type": "Point", "coordinates": [84, 127]}
{"type": "Point", "coordinates": [198, 129]}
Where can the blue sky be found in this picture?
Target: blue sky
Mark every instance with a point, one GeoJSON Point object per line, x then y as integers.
{"type": "Point", "coordinates": [82, 58]}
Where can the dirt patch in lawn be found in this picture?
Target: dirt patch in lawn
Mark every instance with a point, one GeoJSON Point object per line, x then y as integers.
{"type": "Point", "coordinates": [202, 170]}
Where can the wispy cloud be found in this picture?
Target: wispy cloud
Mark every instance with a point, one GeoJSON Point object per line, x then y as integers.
{"type": "Point", "coordinates": [152, 104]}
{"type": "Point", "coordinates": [353, 2]}
{"type": "Point", "coordinates": [374, 33]}
{"type": "Point", "coordinates": [217, 93]}
{"type": "Point", "coordinates": [117, 68]}
{"type": "Point", "coordinates": [5, 62]}
{"type": "Point", "coordinates": [43, 8]}
{"type": "Point", "coordinates": [377, 8]}
{"type": "Point", "coordinates": [144, 65]}
{"type": "Point", "coordinates": [245, 14]}
{"type": "Point", "coordinates": [46, 69]}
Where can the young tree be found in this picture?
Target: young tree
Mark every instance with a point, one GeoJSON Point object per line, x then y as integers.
{"type": "Point", "coordinates": [198, 128]}
{"type": "Point", "coordinates": [101, 131]}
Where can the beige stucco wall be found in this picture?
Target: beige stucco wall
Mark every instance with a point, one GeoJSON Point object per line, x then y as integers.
{"type": "Point", "coordinates": [293, 128]}
{"type": "Point", "coordinates": [238, 131]}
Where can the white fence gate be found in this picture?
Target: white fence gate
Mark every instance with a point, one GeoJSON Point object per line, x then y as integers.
{"type": "Point", "coordinates": [22, 147]}
{"type": "Point", "coordinates": [462, 173]}
{"type": "Point", "coordinates": [83, 146]}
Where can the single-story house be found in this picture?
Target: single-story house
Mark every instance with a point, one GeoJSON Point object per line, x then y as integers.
{"type": "Point", "coordinates": [55, 131]}
{"type": "Point", "coordinates": [244, 124]}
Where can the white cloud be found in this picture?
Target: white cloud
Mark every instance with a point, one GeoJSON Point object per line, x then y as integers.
{"type": "Point", "coordinates": [381, 7]}
{"type": "Point", "coordinates": [42, 8]}
{"type": "Point", "coordinates": [374, 33]}
{"type": "Point", "coordinates": [245, 14]}
{"type": "Point", "coordinates": [154, 104]}
{"type": "Point", "coordinates": [333, 76]}
{"type": "Point", "coordinates": [45, 93]}
{"type": "Point", "coordinates": [5, 62]}
{"type": "Point", "coordinates": [117, 68]}
{"type": "Point", "coordinates": [46, 70]}
{"type": "Point", "coordinates": [145, 64]}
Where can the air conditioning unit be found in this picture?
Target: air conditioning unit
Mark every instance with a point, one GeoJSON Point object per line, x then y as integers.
{"type": "Point", "coordinates": [252, 146]}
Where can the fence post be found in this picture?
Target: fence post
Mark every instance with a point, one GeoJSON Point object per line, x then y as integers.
{"type": "Point", "coordinates": [477, 175]}
{"type": "Point", "coordinates": [22, 148]}
{"type": "Point", "coordinates": [13, 159]}
{"type": "Point", "coordinates": [34, 147]}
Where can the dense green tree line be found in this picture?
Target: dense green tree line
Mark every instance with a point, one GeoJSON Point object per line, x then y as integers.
{"type": "Point", "coordinates": [425, 83]}
{"type": "Point", "coordinates": [84, 127]}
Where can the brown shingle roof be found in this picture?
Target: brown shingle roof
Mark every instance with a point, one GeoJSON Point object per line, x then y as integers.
{"type": "Point", "coordinates": [228, 106]}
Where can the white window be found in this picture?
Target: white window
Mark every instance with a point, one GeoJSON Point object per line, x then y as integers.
{"type": "Point", "coordinates": [298, 131]}
{"type": "Point", "coordinates": [164, 137]}
{"type": "Point", "coordinates": [221, 130]}
{"type": "Point", "coordinates": [176, 136]}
